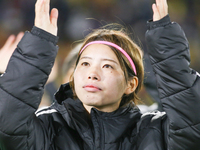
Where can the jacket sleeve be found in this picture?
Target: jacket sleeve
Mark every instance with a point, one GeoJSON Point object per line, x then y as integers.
{"type": "Point", "coordinates": [178, 84]}
{"type": "Point", "coordinates": [21, 87]}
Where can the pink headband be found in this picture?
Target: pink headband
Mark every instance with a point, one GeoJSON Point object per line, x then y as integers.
{"type": "Point", "coordinates": [115, 46]}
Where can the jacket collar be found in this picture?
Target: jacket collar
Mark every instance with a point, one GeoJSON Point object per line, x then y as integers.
{"type": "Point", "coordinates": [63, 93]}
{"type": "Point", "coordinates": [64, 96]}
{"type": "Point", "coordinates": [89, 125]}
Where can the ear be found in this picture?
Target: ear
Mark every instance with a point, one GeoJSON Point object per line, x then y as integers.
{"type": "Point", "coordinates": [131, 86]}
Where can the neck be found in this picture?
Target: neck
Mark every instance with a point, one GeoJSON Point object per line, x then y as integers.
{"type": "Point", "coordinates": [111, 109]}
{"type": "Point", "coordinates": [88, 108]}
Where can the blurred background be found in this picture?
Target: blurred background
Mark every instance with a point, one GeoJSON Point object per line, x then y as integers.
{"type": "Point", "coordinates": [78, 17]}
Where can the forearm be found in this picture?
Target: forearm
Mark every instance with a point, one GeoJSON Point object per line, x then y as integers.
{"type": "Point", "coordinates": [169, 54]}
{"type": "Point", "coordinates": [21, 86]}
{"type": "Point", "coordinates": [177, 83]}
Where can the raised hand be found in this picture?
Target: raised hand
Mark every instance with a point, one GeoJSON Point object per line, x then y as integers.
{"type": "Point", "coordinates": [43, 19]}
{"type": "Point", "coordinates": [160, 9]}
{"type": "Point", "coordinates": [7, 50]}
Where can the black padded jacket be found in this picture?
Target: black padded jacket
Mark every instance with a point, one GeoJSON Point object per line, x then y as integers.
{"type": "Point", "coordinates": [66, 125]}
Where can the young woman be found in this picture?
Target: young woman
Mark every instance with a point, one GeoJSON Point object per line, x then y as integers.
{"type": "Point", "coordinates": [96, 111]}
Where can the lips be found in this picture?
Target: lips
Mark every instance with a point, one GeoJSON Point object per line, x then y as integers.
{"type": "Point", "coordinates": [91, 88]}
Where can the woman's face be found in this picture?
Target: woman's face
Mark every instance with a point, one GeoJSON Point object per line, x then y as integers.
{"type": "Point", "coordinates": [98, 78]}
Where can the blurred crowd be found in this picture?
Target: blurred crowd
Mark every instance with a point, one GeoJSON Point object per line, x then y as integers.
{"type": "Point", "coordinates": [78, 17]}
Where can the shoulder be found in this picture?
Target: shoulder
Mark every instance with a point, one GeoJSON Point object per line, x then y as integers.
{"type": "Point", "coordinates": [51, 118]}
{"type": "Point", "coordinates": [151, 130]}
{"type": "Point", "coordinates": [45, 111]}
{"type": "Point", "coordinates": [153, 119]}
{"type": "Point", "coordinates": [154, 115]}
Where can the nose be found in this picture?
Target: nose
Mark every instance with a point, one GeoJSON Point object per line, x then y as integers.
{"type": "Point", "coordinates": [94, 74]}
{"type": "Point", "coordinates": [93, 77]}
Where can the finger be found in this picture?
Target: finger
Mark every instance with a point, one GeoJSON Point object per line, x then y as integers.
{"type": "Point", "coordinates": [20, 35]}
{"type": "Point", "coordinates": [38, 5]}
{"type": "Point", "coordinates": [18, 38]}
{"type": "Point", "coordinates": [45, 10]}
{"type": "Point", "coordinates": [54, 17]}
{"type": "Point", "coordinates": [38, 11]}
{"type": "Point", "coordinates": [158, 3]}
{"type": "Point", "coordinates": [165, 6]}
{"type": "Point", "coordinates": [162, 9]}
{"type": "Point", "coordinates": [165, 2]}
{"type": "Point", "coordinates": [9, 41]}
{"type": "Point", "coordinates": [46, 6]}
{"type": "Point", "coordinates": [156, 15]}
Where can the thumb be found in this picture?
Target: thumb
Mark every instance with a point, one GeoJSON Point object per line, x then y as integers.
{"type": "Point", "coordinates": [54, 17]}
{"type": "Point", "coordinates": [156, 15]}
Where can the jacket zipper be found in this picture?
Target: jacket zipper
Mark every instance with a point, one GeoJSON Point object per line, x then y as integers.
{"type": "Point", "coordinates": [101, 134]}
{"type": "Point", "coordinates": [101, 131]}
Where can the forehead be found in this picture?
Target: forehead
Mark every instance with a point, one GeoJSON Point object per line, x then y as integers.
{"type": "Point", "coordinates": [99, 51]}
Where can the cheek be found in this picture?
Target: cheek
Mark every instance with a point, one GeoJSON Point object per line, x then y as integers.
{"type": "Point", "coordinates": [117, 83]}
{"type": "Point", "coordinates": [77, 73]}
{"type": "Point", "coordinates": [77, 83]}
{"type": "Point", "coordinates": [76, 78]}
{"type": "Point", "coordinates": [116, 77]}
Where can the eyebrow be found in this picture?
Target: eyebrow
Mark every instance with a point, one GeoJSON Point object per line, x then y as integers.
{"type": "Point", "coordinates": [104, 59]}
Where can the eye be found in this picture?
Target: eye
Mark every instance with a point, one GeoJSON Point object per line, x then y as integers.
{"type": "Point", "coordinates": [107, 66]}
{"type": "Point", "coordinates": [85, 64]}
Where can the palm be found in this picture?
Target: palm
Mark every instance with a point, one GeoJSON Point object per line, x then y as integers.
{"type": "Point", "coordinates": [43, 19]}
{"type": "Point", "coordinates": [160, 9]}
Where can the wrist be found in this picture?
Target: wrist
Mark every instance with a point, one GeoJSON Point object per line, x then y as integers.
{"type": "Point", "coordinates": [44, 35]}
{"type": "Point", "coordinates": [162, 22]}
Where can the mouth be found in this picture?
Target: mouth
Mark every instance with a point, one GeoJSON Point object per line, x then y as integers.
{"type": "Point", "coordinates": [91, 88]}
